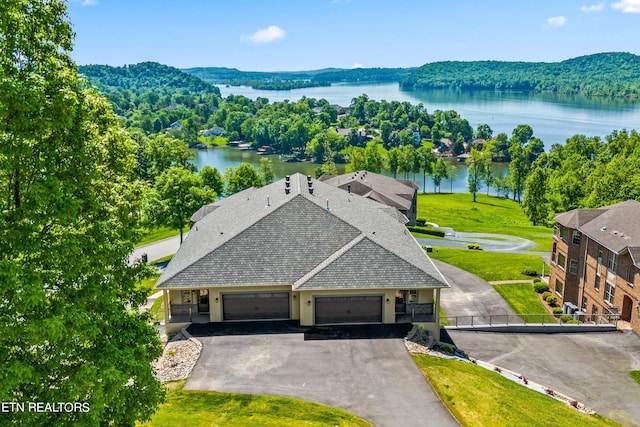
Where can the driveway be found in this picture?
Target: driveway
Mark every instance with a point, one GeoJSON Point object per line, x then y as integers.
{"type": "Point", "coordinates": [591, 367]}
{"type": "Point", "coordinates": [470, 295]}
{"type": "Point", "coordinates": [375, 379]}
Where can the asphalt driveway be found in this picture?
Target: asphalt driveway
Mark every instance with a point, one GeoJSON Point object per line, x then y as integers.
{"type": "Point", "coordinates": [375, 379]}
{"type": "Point", "coordinates": [590, 367]}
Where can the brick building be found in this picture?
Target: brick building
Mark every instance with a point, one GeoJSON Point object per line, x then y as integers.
{"type": "Point", "coordinates": [595, 261]}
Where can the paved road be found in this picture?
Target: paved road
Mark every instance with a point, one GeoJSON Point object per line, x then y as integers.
{"type": "Point", "coordinates": [375, 379]}
{"type": "Point", "coordinates": [592, 367]}
{"type": "Point", "coordinates": [488, 242]}
{"type": "Point", "coordinates": [159, 249]}
{"type": "Point", "coordinates": [470, 295]}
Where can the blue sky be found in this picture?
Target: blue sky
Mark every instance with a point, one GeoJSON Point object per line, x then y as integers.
{"type": "Point", "coordinates": [269, 35]}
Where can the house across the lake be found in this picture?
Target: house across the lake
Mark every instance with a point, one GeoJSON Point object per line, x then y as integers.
{"type": "Point", "coordinates": [595, 262]}
{"type": "Point", "coordinates": [401, 194]}
{"type": "Point", "coordinates": [303, 250]}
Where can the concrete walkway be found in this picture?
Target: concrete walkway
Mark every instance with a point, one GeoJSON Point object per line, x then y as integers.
{"type": "Point", "coordinates": [470, 295]}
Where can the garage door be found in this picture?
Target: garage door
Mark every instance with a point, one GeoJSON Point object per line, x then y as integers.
{"type": "Point", "coordinates": [348, 309]}
{"type": "Point", "coordinates": [255, 306]}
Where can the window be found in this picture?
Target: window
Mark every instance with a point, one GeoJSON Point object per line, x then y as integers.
{"type": "Point", "coordinates": [609, 292]}
{"type": "Point", "coordinates": [556, 231]}
{"type": "Point", "coordinates": [553, 252]}
{"type": "Point", "coordinates": [596, 283]}
{"type": "Point", "coordinates": [573, 266]}
{"type": "Point", "coordinates": [186, 297]}
{"type": "Point", "coordinates": [612, 262]}
{"type": "Point", "coordinates": [584, 304]}
{"type": "Point", "coordinates": [594, 311]}
{"type": "Point", "coordinates": [562, 260]}
{"type": "Point", "coordinates": [559, 286]}
{"type": "Point", "coordinates": [575, 239]}
{"type": "Point", "coordinates": [413, 295]}
{"type": "Point", "coordinates": [599, 258]}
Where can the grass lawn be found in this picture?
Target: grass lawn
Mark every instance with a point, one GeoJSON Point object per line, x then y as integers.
{"type": "Point", "coordinates": [488, 215]}
{"type": "Point", "coordinates": [150, 236]}
{"type": "Point", "coordinates": [524, 300]}
{"type": "Point", "coordinates": [211, 408]}
{"type": "Point", "coordinates": [479, 397]}
{"type": "Point", "coordinates": [635, 375]}
{"type": "Point", "coordinates": [491, 266]}
{"type": "Point", "coordinates": [148, 283]}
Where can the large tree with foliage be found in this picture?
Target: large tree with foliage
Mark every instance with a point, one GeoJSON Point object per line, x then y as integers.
{"type": "Point", "coordinates": [70, 328]}
{"type": "Point", "coordinates": [240, 178]}
{"type": "Point", "coordinates": [477, 166]}
{"type": "Point", "coordinates": [177, 194]}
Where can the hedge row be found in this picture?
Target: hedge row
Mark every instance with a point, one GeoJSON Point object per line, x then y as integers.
{"type": "Point", "coordinates": [419, 230]}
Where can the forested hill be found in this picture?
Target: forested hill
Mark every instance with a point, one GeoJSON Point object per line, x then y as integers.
{"type": "Point", "coordinates": [613, 74]}
{"type": "Point", "coordinates": [145, 77]}
{"type": "Point", "coordinates": [326, 75]}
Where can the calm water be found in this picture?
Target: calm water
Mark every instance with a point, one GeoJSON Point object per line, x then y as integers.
{"type": "Point", "coordinates": [553, 118]}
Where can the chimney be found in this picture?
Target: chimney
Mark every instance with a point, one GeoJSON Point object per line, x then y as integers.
{"type": "Point", "coordinates": [287, 179]}
{"type": "Point", "coordinates": [287, 190]}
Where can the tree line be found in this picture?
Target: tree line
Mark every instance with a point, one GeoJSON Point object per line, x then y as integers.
{"type": "Point", "coordinates": [610, 75]}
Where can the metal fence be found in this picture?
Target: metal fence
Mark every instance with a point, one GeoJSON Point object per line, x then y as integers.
{"type": "Point", "coordinates": [529, 319]}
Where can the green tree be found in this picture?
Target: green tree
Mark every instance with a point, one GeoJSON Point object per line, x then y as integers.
{"type": "Point", "coordinates": [483, 131]}
{"type": "Point", "coordinates": [266, 170]}
{"type": "Point", "coordinates": [70, 328]}
{"type": "Point", "coordinates": [177, 194]}
{"type": "Point", "coordinates": [212, 178]}
{"type": "Point", "coordinates": [240, 178]}
{"type": "Point", "coordinates": [535, 203]}
{"type": "Point", "coordinates": [357, 161]}
{"type": "Point", "coordinates": [451, 174]}
{"type": "Point", "coordinates": [394, 160]}
{"type": "Point", "coordinates": [518, 169]}
{"type": "Point", "coordinates": [163, 151]}
{"type": "Point", "coordinates": [426, 160]}
{"type": "Point", "coordinates": [407, 160]}
{"type": "Point", "coordinates": [477, 165]}
{"type": "Point", "coordinates": [440, 172]}
{"type": "Point", "coordinates": [373, 158]}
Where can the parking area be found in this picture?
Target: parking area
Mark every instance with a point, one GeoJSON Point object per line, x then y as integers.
{"type": "Point", "coordinates": [590, 367]}
{"type": "Point", "coordinates": [374, 378]}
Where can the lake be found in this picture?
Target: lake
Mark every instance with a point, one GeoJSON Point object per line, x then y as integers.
{"type": "Point", "coordinates": [554, 118]}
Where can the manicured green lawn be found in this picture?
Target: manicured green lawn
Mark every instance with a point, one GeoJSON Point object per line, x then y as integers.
{"type": "Point", "coordinates": [211, 408]}
{"type": "Point", "coordinates": [491, 266]}
{"type": "Point", "coordinates": [488, 215]}
{"type": "Point", "coordinates": [150, 236]}
{"type": "Point", "coordinates": [524, 300]}
{"type": "Point", "coordinates": [478, 397]}
{"type": "Point", "coordinates": [147, 284]}
{"type": "Point", "coordinates": [635, 375]}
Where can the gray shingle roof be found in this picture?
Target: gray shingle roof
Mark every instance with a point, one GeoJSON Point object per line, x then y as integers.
{"type": "Point", "coordinates": [264, 237]}
{"type": "Point", "coordinates": [578, 217]}
{"type": "Point", "coordinates": [383, 189]}
{"type": "Point", "coordinates": [617, 227]}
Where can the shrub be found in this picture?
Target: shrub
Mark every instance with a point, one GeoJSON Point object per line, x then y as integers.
{"type": "Point", "coordinates": [551, 300]}
{"type": "Point", "coordinates": [557, 311]}
{"type": "Point", "coordinates": [474, 246]}
{"type": "Point", "coordinates": [541, 287]}
{"type": "Point", "coordinates": [530, 273]}
{"type": "Point", "coordinates": [565, 318]}
{"type": "Point", "coordinates": [419, 230]}
{"type": "Point", "coordinates": [421, 222]}
{"type": "Point", "coordinates": [537, 280]}
{"type": "Point", "coordinates": [545, 295]}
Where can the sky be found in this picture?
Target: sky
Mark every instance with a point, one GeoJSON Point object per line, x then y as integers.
{"type": "Point", "coordinates": [297, 35]}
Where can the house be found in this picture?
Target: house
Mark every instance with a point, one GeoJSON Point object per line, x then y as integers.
{"type": "Point", "coordinates": [401, 194]}
{"type": "Point", "coordinates": [302, 250]}
{"type": "Point", "coordinates": [175, 125]}
{"type": "Point", "coordinates": [214, 131]}
{"type": "Point", "coordinates": [595, 262]}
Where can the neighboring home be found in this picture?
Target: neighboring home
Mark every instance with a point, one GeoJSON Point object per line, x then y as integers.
{"type": "Point", "coordinates": [175, 125]}
{"type": "Point", "coordinates": [214, 131]}
{"type": "Point", "coordinates": [595, 261]}
{"type": "Point", "coordinates": [401, 194]}
{"type": "Point", "coordinates": [299, 249]}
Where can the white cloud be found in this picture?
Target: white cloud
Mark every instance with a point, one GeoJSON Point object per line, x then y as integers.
{"type": "Point", "coordinates": [265, 35]}
{"type": "Point", "coordinates": [592, 8]}
{"type": "Point", "coordinates": [357, 65]}
{"type": "Point", "coordinates": [627, 6]}
{"type": "Point", "coordinates": [557, 21]}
